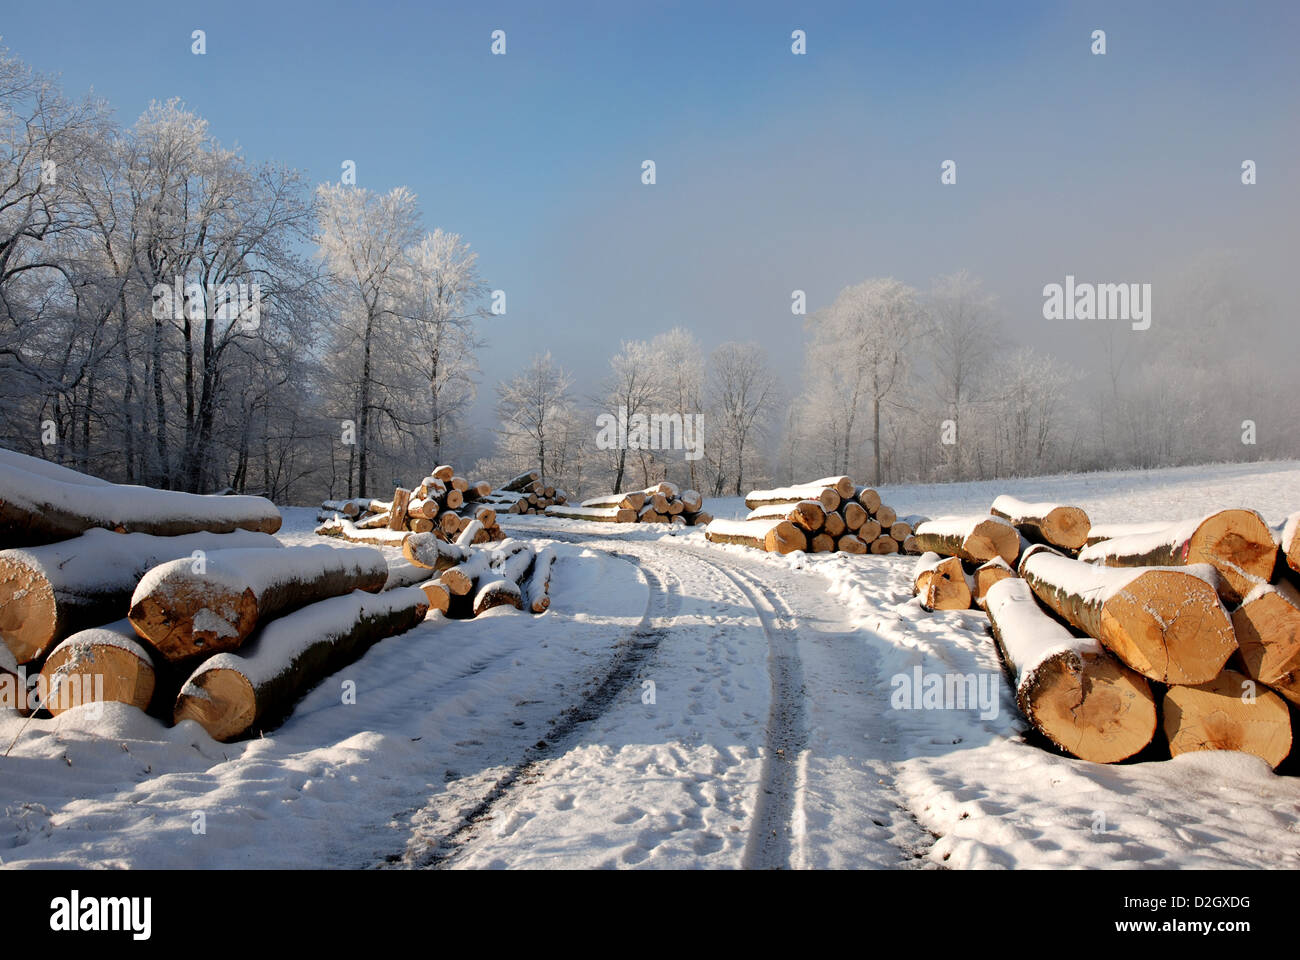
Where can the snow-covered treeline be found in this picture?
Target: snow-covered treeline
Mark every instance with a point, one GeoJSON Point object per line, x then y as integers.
{"type": "Point", "coordinates": [164, 322]}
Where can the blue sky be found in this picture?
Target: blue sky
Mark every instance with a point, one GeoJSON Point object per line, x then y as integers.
{"type": "Point", "coordinates": [775, 171]}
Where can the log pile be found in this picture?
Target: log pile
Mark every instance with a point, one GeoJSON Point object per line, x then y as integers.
{"type": "Point", "coordinates": [471, 580]}
{"type": "Point", "coordinates": [830, 515]}
{"type": "Point", "coordinates": [527, 493]}
{"type": "Point", "coordinates": [443, 503]}
{"type": "Point", "coordinates": [662, 503]}
{"type": "Point", "coordinates": [1111, 634]}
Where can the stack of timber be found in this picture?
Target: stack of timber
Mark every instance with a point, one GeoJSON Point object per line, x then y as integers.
{"type": "Point", "coordinates": [830, 515]}
{"type": "Point", "coordinates": [527, 493]}
{"type": "Point", "coordinates": [662, 503]}
{"type": "Point", "coordinates": [443, 503]}
{"type": "Point", "coordinates": [1104, 628]}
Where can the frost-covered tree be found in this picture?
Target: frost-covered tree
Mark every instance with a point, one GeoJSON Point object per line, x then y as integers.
{"type": "Point", "coordinates": [743, 394]}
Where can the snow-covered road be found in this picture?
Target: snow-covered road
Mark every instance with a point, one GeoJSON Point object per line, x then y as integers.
{"type": "Point", "coordinates": [682, 704]}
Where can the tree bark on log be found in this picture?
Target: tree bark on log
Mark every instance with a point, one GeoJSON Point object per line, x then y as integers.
{"type": "Point", "coordinates": [50, 592]}
{"type": "Point", "coordinates": [1165, 623]}
{"type": "Point", "coordinates": [940, 582]}
{"type": "Point", "coordinates": [36, 510]}
{"type": "Point", "coordinates": [1051, 523]}
{"type": "Point", "coordinates": [184, 610]}
{"type": "Point", "coordinates": [1070, 690]}
{"type": "Point", "coordinates": [236, 695]}
{"type": "Point", "coordinates": [774, 536]}
{"type": "Point", "coordinates": [1214, 716]}
{"type": "Point", "coordinates": [598, 514]}
{"type": "Point", "coordinates": [522, 482]}
{"type": "Point", "coordinates": [539, 584]}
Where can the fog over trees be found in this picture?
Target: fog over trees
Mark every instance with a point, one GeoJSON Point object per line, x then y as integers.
{"type": "Point", "coordinates": [177, 314]}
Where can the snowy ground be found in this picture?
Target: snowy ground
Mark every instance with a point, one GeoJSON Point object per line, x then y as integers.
{"type": "Point", "coordinates": [682, 704]}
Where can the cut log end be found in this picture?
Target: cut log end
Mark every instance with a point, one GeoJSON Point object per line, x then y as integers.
{"type": "Point", "coordinates": [1229, 713]}
{"type": "Point", "coordinates": [1092, 706]}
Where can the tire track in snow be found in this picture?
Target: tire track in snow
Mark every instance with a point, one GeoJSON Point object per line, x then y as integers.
{"type": "Point", "coordinates": [662, 607]}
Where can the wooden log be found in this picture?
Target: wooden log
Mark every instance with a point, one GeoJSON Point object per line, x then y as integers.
{"type": "Point", "coordinates": [378, 521]}
{"type": "Point", "coordinates": [50, 592]}
{"type": "Point", "coordinates": [236, 695]}
{"type": "Point", "coordinates": [100, 665]}
{"type": "Point", "coordinates": [855, 515]}
{"type": "Point", "coordinates": [497, 593]}
{"type": "Point", "coordinates": [773, 535]}
{"type": "Point", "coordinates": [885, 516]}
{"type": "Point", "coordinates": [448, 524]}
{"type": "Point", "coordinates": [520, 482]}
{"type": "Point", "coordinates": [827, 496]}
{"type": "Point", "coordinates": [869, 532]}
{"type": "Point", "coordinates": [701, 519]}
{"type": "Point", "coordinates": [972, 538]}
{"type": "Point", "coordinates": [941, 583]}
{"type": "Point", "coordinates": [598, 514]}
{"type": "Point", "coordinates": [453, 500]}
{"type": "Point", "coordinates": [397, 514]}
{"type": "Point", "coordinates": [884, 545]}
{"type": "Point", "coordinates": [1069, 689]}
{"type": "Point", "coordinates": [459, 484]}
{"type": "Point", "coordinates": [834, 525]}
{"type": "Point", "coordinates": [445, 473]}
{"type": "Point", "coordinates": [37, 509]}
{"type": "Point", "coordinates": [1267, 625]}
{"type": "Point", "coordinates": [911, 546]}
{"type": "Point", "coordinates": [1230, 712]}
{"type": "Point", "coordinates": [433, 553]}
{"type": "Point", "coordinates": [988, 574]}
{"type": "Point", "coordinates": [348, 508]}
{"type": "Point", "coordinates": [1166, 622]}
{"type": "Point", "coordinates": [841, 485]}
{"type": "Point", "coordinates": [807, 515]}
{"type": "Point", "coordinates": [49, 469]}
{"type": "Point", "coordinates": [1290, 543]}
{"type": "Point", "coordinates": [539, 583]}
{"type": "Point", "coordinates": [676, 508]}
{"type": "Point", "coordinates": [185, 610]}
{"type": "Point", "coordinates": [868, 498]}
{"type": "Point", "coordinates": [468, 532]}
{"type": "Point", "coordinates": [460, 578]}
{"type": "Point", "coordinates": [900, 530]}
{"type": "Point", "coordinates": [822, 543]}
{"type": "Point", "coordinates": [1051, 523]}
{"type": "Point", "coordinates": [692, 501]}
{"type": "Point", "coordinates": [634, 500]}
{"type": "Point", "coordinates": [851, 543]}
{"type": "Point", "coordinates": [1238, 543]}
{"type": "Point", "coordinates": [437, 595]}
{"type": "Point", "coordinates": [479, 490]}
{"type": "Point", "coordinates": [419, 525]}
{"type": "Point", "coordinates": [345, 529]}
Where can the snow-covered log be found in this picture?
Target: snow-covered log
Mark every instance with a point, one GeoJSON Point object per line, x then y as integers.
{"type": "Point", "coordinates": [522, 481]}
{"type": "Point", "coordinates": [1230, 712]}
{"type": "Point", "coordinates": [52, 591]}
{"type": "Point", "coordinates": [867, 498]}
{"type": "Point", "coordinates": [345, 529]}
{"type": "Point", "coordinates": [1112, 531]}
{"type": "Point", "coordinates": [886, 516]}
{"type": "Point", "coordinates": [1051, 523]}
{"type": "Point", "coordinates": [633, 500]}
{"type": "Point", "coordinates": [436, 592]}
{"type": "Point", "coordinates": [941, 583]}
{"type": "Point", "coordinates": [1164, 622]}
{"type": "Point", "coordinates": [348, 508]}
{"type": "Point", "coordinates": [851, 543]}
{"type": "Point", "coordinates": [601, 514]}
{"type": "Point", "coordinates": [988, 574]}
{"type": "Point", "coordinates": [855, 515]}
{"type": "Point", "coordinates": [234, 695]}
{"type": "Point", "coordinates": [774, 536]}
{"type": "Point", "coordinates": [1070, 690]}
{"type": "Point", "coordinates": [48, 469]}
{"type": "Point", "coordinates": [37, 509]}
{"type": "Point", "coordinates": [826, 495]}
{"type": "Point", "coordinates": [807, 515]}
{"type": "Point", "coordinates": [692, 501]}
{"type": "Point", "coordinates": [461, 578]}
{"type": "Point", "coordinates": [103, 664]}
{"type": "Point", "coordinates": [1267, 625]}
{"type": "Point", "coordinates": [972, 538]}
{"type": "Point", "coordinates": [184, 608]}
{"type": "Point", "coordinates": [841, 485]}
{"type": "Point", "coordinates": [884, 544]}
{"type": "Point", "coordinates": [539, 583]}
{"type": "Point", "coordinates": [1238, 543]}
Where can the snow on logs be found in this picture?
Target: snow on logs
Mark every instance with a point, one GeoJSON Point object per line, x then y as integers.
{"type": "Point", "coordinates": [185, 608]}
{"type": "Point", "coordinates": [825, 516]}
{"type": "Point", "coordinates": [50, 592]}
{"type": "Point", "coordinates": [975, 539]}
{"type": "Point", "coordinates": [1267, 625]}
{"type": "Point", "coordinates": [662, 503]}
{"type": "Point", "coordinates": [1228, 713]}
{"type": "Point", "coordinates": [102, 664]}
{"type": "Point", "coordinates": [40, 506]}
{"type": "Point", "coordinates": [1070, 690]}
{"type": "Point", "coordinates": [526, 493]}
{"type": "Point", "coordinates": [773, 535]}
{"type": "Point", "coordinates": [1052, 523]}
{"type": "Point", "coordinates": [234, 695]}
{"type": "Point", "coordinates": [1237, 543]}
{"type": "Point", "coordinates": [1164, 622]}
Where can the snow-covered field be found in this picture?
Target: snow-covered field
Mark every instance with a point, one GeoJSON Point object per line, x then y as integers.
{"type": "Point", "coordinates": [682, 704]}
